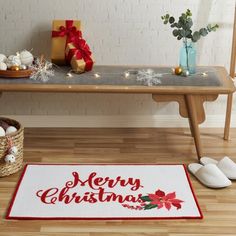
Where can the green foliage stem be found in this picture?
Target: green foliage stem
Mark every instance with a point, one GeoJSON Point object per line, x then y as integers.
{"type": "Point", "coordinates": [182, 27]}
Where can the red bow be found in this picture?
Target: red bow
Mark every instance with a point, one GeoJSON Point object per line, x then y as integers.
{"type": "Point", "coordinates": [69, 30]}
{"type": "Point", "coordinates": [84, 52]}
{"type": "Point", "coordinates": [81, 44]}
{"type": "Point", "coordinates": [81, 51]}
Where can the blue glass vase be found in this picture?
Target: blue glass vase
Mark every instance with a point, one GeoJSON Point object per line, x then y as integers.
{"type": "Point", "coordinates": [188, 54]}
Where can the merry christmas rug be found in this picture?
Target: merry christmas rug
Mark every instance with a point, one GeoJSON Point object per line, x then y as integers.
{"type": "Point", "coordinates": [104, 191]}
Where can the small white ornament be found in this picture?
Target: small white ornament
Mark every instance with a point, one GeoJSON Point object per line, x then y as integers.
{"type": "Point", "coordinates": [9, 158]}
{"type": "Point", "coordinates": [23, 67]}
{"type": "Point", "coordinates": [3, 66]}
{"type": "Point", "coordinates": [11, 129]}
{"type": "Point", "coordinates": [26, 58]}
{"type": "Point", "coordinates": [186, 73]}
{"type": "Point", "coordinates": [13, 150]}
{"type": "Point", "coordinates": [2, 132]}
{"type": "Point", "coordinates": [3, 58]}
{"type": "Point", "coordinates": [13, 60]}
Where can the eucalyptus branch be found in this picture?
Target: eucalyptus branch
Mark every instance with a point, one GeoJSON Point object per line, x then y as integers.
{"type": "Point", "coordinates": [182, 27]}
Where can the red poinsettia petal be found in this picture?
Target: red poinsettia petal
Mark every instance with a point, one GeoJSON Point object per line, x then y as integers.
{"type": "Point", "coordinates": [170, 196]}
{"type": "Point", "coordinates": [155, 202]}
{"type": "Point", "coordinates": [167, 205]}
{"type": "Point", "coordinates": [154, 197]}
{"type": "Point", "coordinates": [160, 205]}
{"type": "Point", "coordinates": [175, 200]}
{"type": "Point", "coordinates": [160, 193]}
{"type": "Point", "coordinates": [177, 205]}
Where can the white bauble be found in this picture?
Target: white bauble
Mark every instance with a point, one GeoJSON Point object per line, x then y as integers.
{"type": "Point", "coordinates": [13, 150]}
{"type": "Point", "coordinates": [3, 66]}
{"type": "Point", "coordinates": [11, 129]}
{"type": "Point", "coordinates": [13, 60]}
{"type": "Point", "coordinates": [3, 58]}
{"type": "Point", "coordinates": [2, 132]}
{"type": "Point", "coordinates": [23, 67]}
{"type": "Point", "coordinates": [26, 58]}
{"type": "Point", "coordinates": [9, 158]}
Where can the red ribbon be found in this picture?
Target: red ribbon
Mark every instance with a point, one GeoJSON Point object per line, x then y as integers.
{"type": "Point", "coordinates": [81, 51]}
{"type": "Point", "coordinates": [69, 31]}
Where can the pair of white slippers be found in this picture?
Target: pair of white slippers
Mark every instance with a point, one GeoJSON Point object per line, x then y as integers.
{"type": "Point", "coordinates": [214, 174]}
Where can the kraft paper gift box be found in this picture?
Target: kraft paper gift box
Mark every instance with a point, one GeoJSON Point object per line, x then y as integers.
{"type": "Point", "coordinates": [80, 56]}
{"type": "Point", "coordinates": [62, 33]}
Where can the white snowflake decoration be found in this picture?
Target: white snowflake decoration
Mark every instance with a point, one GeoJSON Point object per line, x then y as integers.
{"type": "Point", "coordinates": [42, 70]}
{"type": "Point", "coordinates": [149, 77]}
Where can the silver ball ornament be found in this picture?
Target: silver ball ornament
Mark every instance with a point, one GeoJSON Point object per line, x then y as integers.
{"type": "Point", "coordinates": [186, 73]}
{"type": "Point", "coordinates": [23, 67]}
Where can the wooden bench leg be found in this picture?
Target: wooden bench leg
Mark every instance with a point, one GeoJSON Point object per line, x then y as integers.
{"type": "Point", "coordinates": [191, 107]}
{"type": "Point", "coordinates": [192, 112]}
{"type": "Point", "coordinates": [191, 127]}
{"type": "Point", "coordinates": [228, 116]}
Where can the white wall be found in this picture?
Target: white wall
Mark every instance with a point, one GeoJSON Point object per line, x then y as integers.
{"type": "Point", "coordinates": [119, 32]}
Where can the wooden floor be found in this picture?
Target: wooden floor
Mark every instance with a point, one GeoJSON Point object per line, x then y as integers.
{"type": "Point", "coordinates": [127, 146]}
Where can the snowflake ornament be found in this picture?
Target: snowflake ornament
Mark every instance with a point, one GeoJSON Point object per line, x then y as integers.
{"type": "Point", "coordinates": [42, 70]}
{"type": "Point", "coordinates": [149, 77]}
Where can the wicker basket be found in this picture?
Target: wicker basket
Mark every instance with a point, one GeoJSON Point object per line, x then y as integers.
{"type": "Point", "coordinates": [17, 139]}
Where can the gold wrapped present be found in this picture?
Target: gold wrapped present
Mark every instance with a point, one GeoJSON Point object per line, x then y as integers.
{"type": "Point", "coordinates": [79, 56]}
{"type": "Point", "coordinates": [63, 32]}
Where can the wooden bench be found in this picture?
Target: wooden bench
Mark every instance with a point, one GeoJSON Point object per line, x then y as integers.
{"type": "Point", "coordinates": [190, 92]}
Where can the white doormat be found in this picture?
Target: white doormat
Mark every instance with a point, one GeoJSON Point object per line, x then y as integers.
{"type": "Point", "coordinates": [104, 192]}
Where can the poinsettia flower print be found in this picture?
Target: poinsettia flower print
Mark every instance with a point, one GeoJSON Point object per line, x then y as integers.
{"type": "Point", "coordinates": [165, 200]}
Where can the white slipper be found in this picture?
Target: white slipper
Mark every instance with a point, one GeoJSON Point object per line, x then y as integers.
{"type": "Point", "coordinates": [209, 175]}
{"type": "Point", "coordinates": [226, 165]}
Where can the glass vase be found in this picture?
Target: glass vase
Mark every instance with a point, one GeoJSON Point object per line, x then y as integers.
{"type": "Point", "coordinates": [188, 54]}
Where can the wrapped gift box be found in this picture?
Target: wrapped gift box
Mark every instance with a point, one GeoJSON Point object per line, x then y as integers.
{"type": "Point", "coordinates": [62, 33]}
{"type": "Point", "coordinates": [80, 56]}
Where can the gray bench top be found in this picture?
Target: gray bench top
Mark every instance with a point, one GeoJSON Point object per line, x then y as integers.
{"type": "Point", "coordinates": [115, 75]}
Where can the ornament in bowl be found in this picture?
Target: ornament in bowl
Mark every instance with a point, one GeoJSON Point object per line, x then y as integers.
{"type": "Point", "coordinates": [3, 58]}
{"type": "Point", "coordinates": [26, 58]}
{"type": "Point", "coordinates": [3, 65]}
{"type": "Point", "coordinates": [16, 66]}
